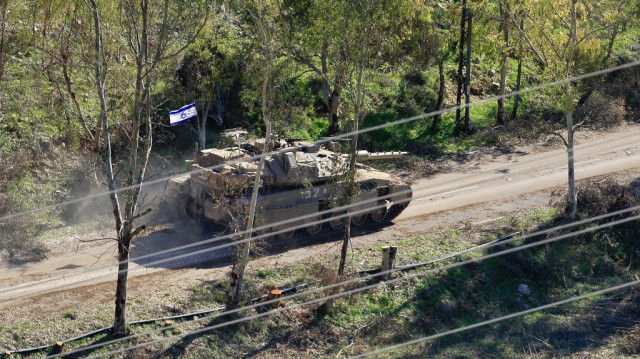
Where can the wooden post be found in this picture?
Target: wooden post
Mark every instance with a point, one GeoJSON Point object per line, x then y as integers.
{"type": "Point", "coordinates": [57, 348]}
{"type": "Point", "coordinates": [274, 294]}
{"type": "Point", "coordinates": [388, 259]}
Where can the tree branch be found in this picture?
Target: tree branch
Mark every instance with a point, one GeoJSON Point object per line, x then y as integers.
{"type": "Point", "coordinates": [138, 230]}
{"type": "Point", "coordinates": [305, 61]}
{"type": "Point", "coordinates": [566, 25]}
{"type": "Point", "coordinates": [561, 137]}
{"type": "Point", "coordinates": [189, 42]}
{"type": "Point", "coordinates": [97, 239]}
{"type": "Point", "coordinates": [142, 214]}
{"type": "Point", "coordinates": [515, 24]}
{"type": "Point", "coordinates": [580, 125]}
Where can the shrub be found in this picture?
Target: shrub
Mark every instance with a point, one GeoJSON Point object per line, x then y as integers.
{"type": "Point", "coordinates": [602, 111]}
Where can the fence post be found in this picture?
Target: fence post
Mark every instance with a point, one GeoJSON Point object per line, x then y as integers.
{"type": "Point", "coordinates": [388, 260]}
{"type": "Point", "coordinates": [57, 348]}
{"type": "Point", "coordinates": [275, 293]}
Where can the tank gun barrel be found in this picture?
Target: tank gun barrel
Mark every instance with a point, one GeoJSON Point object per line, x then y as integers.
{"type": "Point", "coordinates": [366, 155]}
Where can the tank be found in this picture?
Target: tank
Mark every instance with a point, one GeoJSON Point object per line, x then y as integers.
{"type": "Point", "coordinates": [301, 184]}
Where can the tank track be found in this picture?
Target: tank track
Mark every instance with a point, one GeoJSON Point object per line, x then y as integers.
{"type": "Point", "coordinates": [302, 238]}
{"type": "Point", "coordinates": [273, 244]}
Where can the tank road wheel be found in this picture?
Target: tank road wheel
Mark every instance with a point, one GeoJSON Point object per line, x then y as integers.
{"type": "Point", "coordinates": [337, 223]}
{"type": "Point", "coordinates": [359, 219]}
{"type": "Point", "coordinates": [379, 213]}
{"type": "Point", "coordinates": [315, 227]}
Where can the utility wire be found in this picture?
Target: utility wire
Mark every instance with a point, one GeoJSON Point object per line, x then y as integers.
{"type": "Point", "coordinates": [499, 319]}
{"type": "Point", "coordinates": [322, 213]}
{"type": "Point", "coordinates": [491, 99]}
{"type": "Point", "coordinates": [337, 295]}
{"type": "Point", "coordinates": [284, 222]}
{"type": "Point", "coordinates": [476, 103]}
{"type": "Point", "coordinates": [262, 236]}
{"type": "Point", "coordinates": [226, 245]}
{"type": "Point", "coordinates": [349, 292]}
{"type": "Point", "coordinates": [350, 134]}
{"type": "Point", "coordinates": [575, 78]}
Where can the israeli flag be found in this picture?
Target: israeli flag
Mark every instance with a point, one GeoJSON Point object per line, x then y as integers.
{"type": "Point", "coordinates": [183, 114]}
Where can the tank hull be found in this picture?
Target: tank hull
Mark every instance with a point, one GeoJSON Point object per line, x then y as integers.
{"type": "Point", "coordinates": [302, 189]}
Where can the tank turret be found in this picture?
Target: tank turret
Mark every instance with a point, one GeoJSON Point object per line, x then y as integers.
{"type": "Point", "coordinates": [301, 183]}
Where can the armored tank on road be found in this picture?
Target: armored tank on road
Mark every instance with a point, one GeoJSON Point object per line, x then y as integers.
{"type": "Point", "coordinates": [301, 186]}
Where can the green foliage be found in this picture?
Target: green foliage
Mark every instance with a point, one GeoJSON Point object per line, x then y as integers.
{"type": "Point", "coordinates": [401, 40]}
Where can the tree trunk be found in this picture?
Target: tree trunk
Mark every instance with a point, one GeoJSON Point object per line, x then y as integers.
{"type": "Point", "coordinates": [467, 116]}
{"type": "Point", "coordinates": [572, 200]}
{"type": "Point", "coordinates": [236, 278]}
{"type": "Point", "coordinates": [441, 93]}
{"type": "Point", "coordinates": [120, 321]}
{"type": "Point", "coordinates": [351, 185]}
{"type": "Point", "coordinates": [463, 21]}
{"type": "Point", "coordinates": [516, 100]}
{"type": "Point", "coordinates": [119, 327]}
{"type": "Point", "coordinates": [1, 118]}
{"type": "Point", "coordinates": [236, 282]}
{"type": "Point", "coordinates": [334, 101]}
{"type": "Point", "coordinates": [3, 25]}
{"type": "Point", "coordinates": [503, 68]}
{"type": "Point", "coordinates": [202, 127]}
{"type": "Point", "coordinates": [572, 195]}
{"type": "Point", "coordinates": [140, 130]}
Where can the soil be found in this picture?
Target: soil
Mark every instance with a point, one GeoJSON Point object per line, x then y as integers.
{"type": "Point", "coordinates": [479, 187]}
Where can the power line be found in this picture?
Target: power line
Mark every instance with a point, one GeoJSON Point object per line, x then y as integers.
{"type": "Point", "coordinates": [575, 78]}
{"type": "Point", "coordinates": [284, 222]}
{"type": "Point", "coordinates": [353, 291]}
{"type": "Point", "coordinates": [234, 243]}
{"type": "Point", "coordinates": [499, 319]}
{"type": "Point", "coordinates": [216, 239]}
{"type": "Point", "coordinates": [351, 134]}
{"type": "Point", "coordinates": [477, 103]}
{"type": "Point", "coordinates": [337, 295]}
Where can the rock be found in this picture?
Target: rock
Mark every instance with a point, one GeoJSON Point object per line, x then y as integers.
{"type": "Point", "coordinates": [171, 309]}
{"type": "Point", "coordinates": [524, 289]}
{"type": "Point", "coordinates": [495, 87]}
{"type": "Point", "coordinates": [476, 90]}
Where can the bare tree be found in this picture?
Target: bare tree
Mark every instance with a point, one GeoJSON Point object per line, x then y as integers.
{"type": "Point", "coordinates": [572, 199]}
{"type": "Point", "coordinates": [504, 53]}
{"type": "Point", "coordinates": [3, 34]}
{"type": "Point", "coordinates": [128, 209]}
{"type": "Point", "coordinates": [460, 76]}
{"type": "Point", "coordinates": [236, 281]}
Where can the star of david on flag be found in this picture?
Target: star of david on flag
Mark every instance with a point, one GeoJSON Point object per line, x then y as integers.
{"type": "Point", "coordinates": [183, 114]}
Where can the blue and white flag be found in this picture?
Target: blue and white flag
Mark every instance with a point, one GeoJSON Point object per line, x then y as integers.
{"type": "Point", "coordinates": [183, 114]}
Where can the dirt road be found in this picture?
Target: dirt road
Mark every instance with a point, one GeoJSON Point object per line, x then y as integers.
{"type": "Point", "coordinates": [485, 188]}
